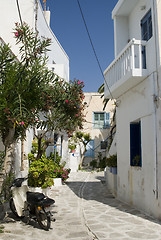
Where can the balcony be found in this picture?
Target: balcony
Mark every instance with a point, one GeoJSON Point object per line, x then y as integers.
{"type": "Point", "coordinates": [127, 70]}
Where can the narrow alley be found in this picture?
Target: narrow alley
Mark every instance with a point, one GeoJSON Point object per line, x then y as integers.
{"type": "Point", "coordinates": [85, 210]}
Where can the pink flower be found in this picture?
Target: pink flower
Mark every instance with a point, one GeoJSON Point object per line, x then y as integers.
{"type": "Point", "coordinates": [16, 34]}
{"type": "Point", "coordinates": [21, 123]}
{"type": "Point", "coordinates": [78, 82]}
{"type": "Point", "coordinates": [66, 101]}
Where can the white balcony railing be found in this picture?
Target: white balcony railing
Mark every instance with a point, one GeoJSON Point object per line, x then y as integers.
{"type": "Point", "coordinates": [130, 64]}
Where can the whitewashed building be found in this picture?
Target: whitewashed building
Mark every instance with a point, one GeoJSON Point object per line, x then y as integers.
{"type": "Point", "coordinates": [97, 124]}
{"type": "Point", "coordinates": [31, 12]}
{"type": "Point", "coordinates": [134, 78]}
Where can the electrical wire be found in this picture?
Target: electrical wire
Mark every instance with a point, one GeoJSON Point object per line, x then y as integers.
{"type": "Point", "coordinates": [93, 48]}
{"type": "Point", "coordinates": [19, 12]}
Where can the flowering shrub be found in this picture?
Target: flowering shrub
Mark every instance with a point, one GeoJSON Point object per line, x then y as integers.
{"type": "Point", "coordinates": [42, 171]}
{"type": "Point", "coordinates": [65, 102]}
{"type": "Point", "coordinates": [62, 173]}
{"type": "Point", "coordinates": [28, 88]}
{"type": "Point", "coordinates": [22, 82]}
{"type": "Point", "coordinates": [39, 172]}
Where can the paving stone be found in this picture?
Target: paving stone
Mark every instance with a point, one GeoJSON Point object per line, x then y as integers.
{"type": "Point", "coordinates": [86, 210]}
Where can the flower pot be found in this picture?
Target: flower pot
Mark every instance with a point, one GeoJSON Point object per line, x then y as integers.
{"type": "Point", "coordinates": [35, 189]}
{"type": "Point", "coordinates": [114, 170]}
{"type": "Point", "coordinates": [57, 182]}
{"type": "Point", "coordinates": [45, 191]}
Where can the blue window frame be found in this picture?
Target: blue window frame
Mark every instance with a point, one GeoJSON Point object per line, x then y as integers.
{"type": "Point", "coordinates": [146, 26]}
{"type": "Point", "coordinates": [101, 120]}
{"type": "Point", "coordinates": [135, 144]}
{"type": "Point", "coordinates": [90, 149]}
{"type": "Point", "coordinates": [146, 33]}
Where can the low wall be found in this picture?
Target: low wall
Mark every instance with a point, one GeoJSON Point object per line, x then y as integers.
{"type": "Point", "coordinates": [111, 181]}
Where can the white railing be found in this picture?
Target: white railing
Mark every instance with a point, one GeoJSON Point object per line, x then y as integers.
{"type": "Point", "coordinates": [131, 59]}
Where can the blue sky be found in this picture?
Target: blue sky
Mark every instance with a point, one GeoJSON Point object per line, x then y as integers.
{"type": "Point", "coordinates": [67, 25]}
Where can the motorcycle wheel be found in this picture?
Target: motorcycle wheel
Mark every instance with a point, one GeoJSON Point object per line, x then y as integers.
{"type": "Point", "coordinates": [13, 208]}
{"type": "Point", "coordinates": [43, 220]}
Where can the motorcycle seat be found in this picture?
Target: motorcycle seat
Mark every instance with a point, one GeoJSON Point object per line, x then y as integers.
{"type": "Point", "coordinates": [35, 197]}
{"type": "Point", "coordinates": [47, 202]}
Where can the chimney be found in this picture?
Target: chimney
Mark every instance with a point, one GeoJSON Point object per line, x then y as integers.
{"type": "Point", "coordinates": [47, 16]}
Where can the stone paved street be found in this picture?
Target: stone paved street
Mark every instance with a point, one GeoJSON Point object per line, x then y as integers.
{"type": "Point", "coordinates": [85, 210]}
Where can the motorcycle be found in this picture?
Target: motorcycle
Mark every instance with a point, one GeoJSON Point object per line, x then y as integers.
{"type": "Point", "coordinates": [33, 205]}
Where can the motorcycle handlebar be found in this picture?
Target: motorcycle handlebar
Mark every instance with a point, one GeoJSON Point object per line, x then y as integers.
{"type": "Point", "coordinates": [18, 182]}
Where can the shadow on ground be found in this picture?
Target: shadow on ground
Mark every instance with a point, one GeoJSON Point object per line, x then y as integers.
{"type": "Point", "coordinates": [97, 191]}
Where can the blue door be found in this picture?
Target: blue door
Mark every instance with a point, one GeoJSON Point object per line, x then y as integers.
{"type": "Point", "coordinates": [90, 149]}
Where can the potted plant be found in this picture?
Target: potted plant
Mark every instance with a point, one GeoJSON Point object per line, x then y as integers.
{"type": "Point", "coordinates": [40, 173]}
{"type": "Point", "coordinates": [46, 171]}
{"type": "Point", "coordinates": [72, 147]}
{"type": "Point", "coordinates": [112, 163]}
{"type": "Point", "coordinates": [136, 160]}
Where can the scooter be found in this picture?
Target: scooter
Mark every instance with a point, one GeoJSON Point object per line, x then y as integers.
{"type": "Point", "coordinates": [33, 205]}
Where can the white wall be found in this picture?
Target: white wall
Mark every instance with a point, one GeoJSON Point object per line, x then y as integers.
{"type": "Point", "coordinates": [128, 27]}
{"type": "Point", "coordinates": [135, 31]}
{"type": "Point", "coordinates": [57, 53]}
{"type": "Point", "coordinates": [158, 30]}
{"type": "Point", "coordinates": [121, 33]}
{"type": "Point", "coordinates": [136, 185]}
{"type": "Point", "coordinates": [141, 186]}
{"type": "Point", "coordinates": [9, 16]}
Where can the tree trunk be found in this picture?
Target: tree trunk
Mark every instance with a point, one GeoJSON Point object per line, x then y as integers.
{"type": "Point", "coordinates": [82, 158]}
{"type": "Point", "coordinates": [40, 152]}
{"type": "Point", "coordinates": [22, 155]}
{"type": "Point", "coordinates": [42, 149]}
{"type": "Point", "coordinates": [8, 142]}
{"type": "Point", "coordinates": [9, 150]}
{"type": "Point", "coordinates": [8, 163]}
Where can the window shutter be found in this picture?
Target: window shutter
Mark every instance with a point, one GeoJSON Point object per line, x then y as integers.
{"type": "Point", "coordinates": [107, 120]}
{"type": "Point", "coordinates": [90, 149]}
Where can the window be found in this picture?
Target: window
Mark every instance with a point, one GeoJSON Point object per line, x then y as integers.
{"type": "Point", "coordinates": [90, 149]}
{"type": "Point", "coordinates": [104, 144]}
{"type": "Point", "coordinates": [146, 32]}
{"type": "Point", "coordinates": [146, 26]}
{"type": "Point", "coordinates": [135, 144]}
{"type": "Point", "coordinates": [101, 120]}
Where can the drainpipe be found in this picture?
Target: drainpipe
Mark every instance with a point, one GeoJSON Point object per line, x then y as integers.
{"type": "Point", "coordinates": [47, 16]}
{"type": "Point", "coordinates": [156, 100]}
{"type": "Point", "coordinates": [36, 15]}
